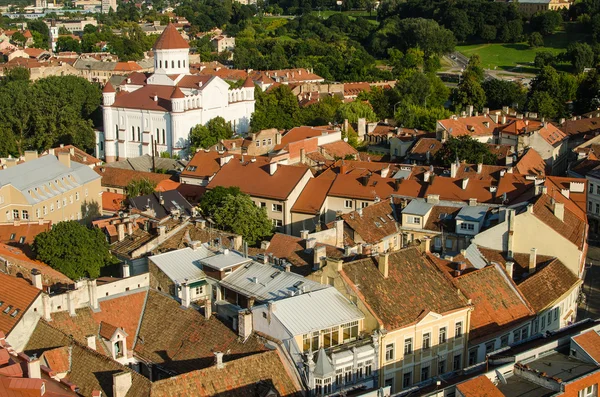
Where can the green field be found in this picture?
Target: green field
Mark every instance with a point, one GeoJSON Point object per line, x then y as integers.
{"type": "Point", "coordinates": [507, 56]}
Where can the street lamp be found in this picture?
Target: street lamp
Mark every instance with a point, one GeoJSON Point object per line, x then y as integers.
{"type": "Point", "coordinates": [396, 104]}
{"type": "Point", "coordinates": [339, 3]}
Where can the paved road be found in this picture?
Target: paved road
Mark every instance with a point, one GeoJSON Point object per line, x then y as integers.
{"type": "Point", "coordinates": [591, 287]}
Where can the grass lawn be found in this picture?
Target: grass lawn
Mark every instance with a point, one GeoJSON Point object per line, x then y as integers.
{"type": "Point", "coordinates": [507, 56]}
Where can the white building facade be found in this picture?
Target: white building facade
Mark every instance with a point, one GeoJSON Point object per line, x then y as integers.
{"type": "Point", "coordinates": [167, 105]}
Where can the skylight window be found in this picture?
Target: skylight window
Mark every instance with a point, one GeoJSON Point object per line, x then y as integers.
{"type": "Point", "coordinates": [7, 309]}
{"type": "Point", "coordinates": [14, 314]}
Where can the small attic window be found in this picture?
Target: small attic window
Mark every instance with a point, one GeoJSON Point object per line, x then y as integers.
{"type": "Point", "coordinates": [377, 224]}
{"type": "Point", "coordinates": [1, 303]}
{"type": "Point", "coordinates": [12, 236]}
{"type": "Point", "coordinates": [14, 314]}
{"type": "Point", "coordinates": [7, 309]}
{"type": "Point", "coordinates": [22, 240]}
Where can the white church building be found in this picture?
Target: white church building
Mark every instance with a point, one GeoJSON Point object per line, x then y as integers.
{"type": "Point", "coordinates": [165, 106]}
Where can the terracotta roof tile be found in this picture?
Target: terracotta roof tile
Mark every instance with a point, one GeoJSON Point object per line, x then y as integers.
{"type": "Point", "coordinates": [112, 202]}
{"type": "Point", "coordinates": [254, 179]}
{"type": "Point", "coordinates": [118, 177]}
{"type": "Point", "coordinates": [581, 126]}
{"type": "Point", "coordinates": [376, 222]}
{"type": "Point", "coordinates": [480, 386]}
{"type": "Point", "coordinates": [520, 261]}
{"type": "Point", "coordinates": [301, 133]}
{"type": "Point", "coordinates": [531, 163]}
{"type": "Point", "coordinates": [124, 312]}
{"type": "Point", "coordinates": [544, 287]}
{"type": "Point", "coordinates": [170, 39]}
{"type": "Point", "coordinates": [338, 150]}
{"type": "Point", "coordinates": [571, 227]}
{"type": "Point", "coordinates": [28, 230]}
{"type": "Point", "coordinates": [129, 66]}
{"type": "Point", "coordinates": [498, 305]}
{"type": "Point", "coordinates": [313, 196]}
{"type": "Point", "coordinates": [15, 294]}
{"type": "Point", "coordinates": [20, 263]}
{"type": "Point", "coordinates": [182, 340]}
{"type": "Point", "coordinates": [248, 376]}
{"type": "Point", "coordinates": [424, 145]}
{"type": "Point", "coordinates": [474, 126]}
{"type": "Point", "coordinates": [411, 279]}
{"type": "Point", "coordinates": [590, 342]}
{"type": "Point", "coordinates": [58, 359]}
{"type": "Point", "coordinates": [77, 155]}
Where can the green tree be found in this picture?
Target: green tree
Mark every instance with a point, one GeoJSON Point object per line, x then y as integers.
{"type": "Point", "coordinates": [18, 38]}
{"type": "Point", "coordinates": [465, 148]}
{"type": "Point", "coordinates": [214, 198]}
{"type": "Point", "coordinates": [67, 43]}
{"type": "Point", "coordinates": [277, 108]}
{"type": "Point", "coordinates": [355, 110]}
{"type": "Point", "coordinates": [63, 31]}
{"type": "Point", "coordinates": [16, 74]}
{"type": "Point", "coordinates": [73, 249]}
{"type": "Point", "coordinates": [546, 22]}
{"type": "Point", "coordinates": [205, 136]}
{"type": "Point", "coordinates": [238, 214]}
{"type": "Point", "coordinates": [588, 93]}
{"type": "Point", "coordinates": [501, 93]}
{"type": "Point", "coordinates": [535, 40]}
{"type": "Point", "coordinates": [580, 55]}
{"type": "Point", "coordinates": [415, 116]}
{"type": "Point", "coordinates": [140, 187]}
{"type": "Point", "coordinates": [469, 92]}
{"type": "Point", "coordinates": [543, 59]}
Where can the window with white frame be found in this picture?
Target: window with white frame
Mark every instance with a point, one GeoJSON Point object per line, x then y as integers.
{"type": "Point", "coordinates": [51, 207]}
{"type": "Point", "coordinates": [347, 203]}
{"type": "Point", "coordinates": [408, 346]}
{"type": "Point", "coordinates": [504, 340]}
{"type": "Point", "coordinates": [76, 196]}
{"type": "Point", "coordinates": [349, 331]}
{"type": "Point", "coordinates": [37, 212]}
{"type": "Point", "coordinates": [277, 223]}
{"type": "Point", "coordinates": [276, 207]}
{"type": "Point", "coordinates": [71, 199]}
{"type": "Point", "coordinates": [330, 337]}
{"type": "Point", "coordinates": [590, 391]}
{"type": "Point", "coordinates": [442, 336]}
{"type": "Point", "coordinates": [556, 313]}
{"type": "Point", "coordinates": [389, 352]}
{"type": "Point", "coordinates": [15, 214]}
{"type": "Point", "coordinates": [489, 347]}
{"type": "Point", "coordinates": [310, 342]}
{"type": "Point", "coordinates": [426, 340]}
{"type": "Point", "coordinates": [64, 202]}
{"type": "Point", "coordinates": [364, 205]}
{"type": "Point", "coordinates": [415, 220]}
{"type": "Point", "coordinates": [45, 210]}
{"type": "Point", "coordinates": [25, 214]}
{"type": "Point", "coordinates": [467, 226]}
{"type": "Point", "coordinates": [458, 329]}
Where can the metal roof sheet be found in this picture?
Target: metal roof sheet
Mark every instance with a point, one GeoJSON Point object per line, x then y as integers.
{"type": "Point", "coordinates": [182, 264]}
{"type": "Point", "coordinates": [225, 260]}
{"type": "Point", "coordinates": [417, 207]}
{"type": "Point", "coordinates": [315, 310]}
{"type": "Point", "coordinates": [266, 282]}
{"type": "Point", "coordinates": [41, 173]}
{"type": "Point", "coordinates": [472, 213]}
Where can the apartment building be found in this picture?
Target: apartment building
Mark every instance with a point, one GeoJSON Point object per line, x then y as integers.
{"type": "Point", "coordinates": [424, 337]}
{"type": "Point", "coordinates": [48, 188]}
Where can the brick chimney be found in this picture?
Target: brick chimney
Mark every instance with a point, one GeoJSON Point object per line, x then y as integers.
{"type": "Point", "coordinates": [121, 384]}
{"type": "Point", "coordinates": [384, 264]}
{"type": "Point", "coordinates": [532, 260]}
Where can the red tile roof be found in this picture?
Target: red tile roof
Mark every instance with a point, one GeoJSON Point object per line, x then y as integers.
{"type": "Point", "coordinates": [120, 178]}
{"type": "Point", "coordinates": [21, 264]}
{"type": "Point", "coordinates": [496, 300]}
{"type": "Point", "coordinates": [112, 202]}
{"type": "Point", "coordinates": [571, 227]}
{"type": "Point", "coordinates": [28, 230]}
{"type": "Point", "coordinates": [480, 386]}
{"type": "Point", "coordinates": [339, 150]}
{"type": "Point", "coordinates": [143, 98]}
{"type": "Point", "coordinates": [376, 222]}
{"type": "Point", "coordinates": [473, 126]}
{"type": "Point", "coordinates": [531, 163]}
{"type": "Point", "coordinates": [15, 293]}
{"type": "Point", "coordinates": [170, 39]}
{"type": "Point", "coordinates": [124, 312]}
{"type": "Point", "coordinates": [412, 277]}
{"type": "Point", "coordinates": [247, 376]}
{"type": "Point", "coordinates": [177, 93]}
{"type": "Point", "coordinates": [300, 133]}
{"type": "Point", "coordinates": [423, 146]}
{"type": "Point", "coordinates": [254, 179]}
{"type": "Point", "coordinates": [58, 359]}
{"type": "Point", "coordinates": [77, 155]}
{"type": "Point", "coordinates": [590, 342]}
{"type": "Point", "coordinates": [581, 126]}
{"type": "Point", "coordinates": [313, 196]}
{"type": "Point", "coordinates": [548, 284]}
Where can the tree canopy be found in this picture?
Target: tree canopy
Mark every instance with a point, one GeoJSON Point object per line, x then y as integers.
{"type": "Point", "coordinates": [140, 187]}
{"type": "Point", "coordinates": [464, 148]}
{"type": "Point", "coordinates": [212, 199]}
{"type": "Point", "coordinates": [205, 136]}
{"type": "Point", "coordinates": [238, 214]}
{"type": "Point", "coordinates": [73, 249]}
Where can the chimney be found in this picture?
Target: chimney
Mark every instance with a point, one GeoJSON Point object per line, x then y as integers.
{"type": "Point", "coordinates": [494, 118]}
{"type": "Point", "coordinates": [121, 231]}
{"type": "Point", "coordinates": [65, 159]}
{"type": "Point", "coordinates": [559, 211]}
{"type": "Point", "coordinates": [129, 228]}
{"type": "Point", "coordinates": [310, 243]}
{"type": "Point", "coordinates": [465, 182]}
{"type": "Point", "coordinates": [31, 155]}
{"type": "Point", "coordinates": [272, 168]}
{"type": "Point", "coordinates": [125, 270]}
{"type": "Point", "coordinates": [71, 303]}
{"type": "Point", "coordinates": [472, 202]}
{"type": "Point", "coordinates": [302, 155]}
{"type": "Point", "coordinates": [207, 309]}
{"type": "Point", "coordinates": [384, 264]}
{"type": "Point", "coordinates": [319, 254]}
{"type": "Point", "coordinates": [33, 368]}
{"type": "Point", "coordinates": [244, 324]}
{"type": "Point", "coordinates": [503, 119]}
{"type": "Point", "coordinates": [278, 138]}
{"type": "Point", "coordinates": [426, 244]}
{"type": "Point", "coordinates": [385, 171]}
{"type": "Point", "coordinates": [121, 384]}
{"type": "Point", "coordinates": [532, 260]}
{"type": "Point", "coordinates": [509, 268]}
{"type": "Point", "coordinates": [426, 176]}
{"type": "Point", "coordinates": [93, 294]}
{"type": "Point", "coordinates": [186, 297]}
{"type": "Point", "coordinates": [433, 198]}
{"type": "Point", "coordinates": [453, 169]}
{"type": "Point", "coordinates": [304, 234]}
{"type": "Point", "coordinates": [219, 360]}
{"type": "Point", "coordinates": [91, 341]}
{"type": "Point", "coordinates": [470, 110]}
{"type": "Point", "coordinates": [362, 127]}
{"type": "Point", "coordinates": [479, 168]}
{"type": "Point", "coordinates": [36, 279]}
{"type": "Point", "coordinates": [339, 233]}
